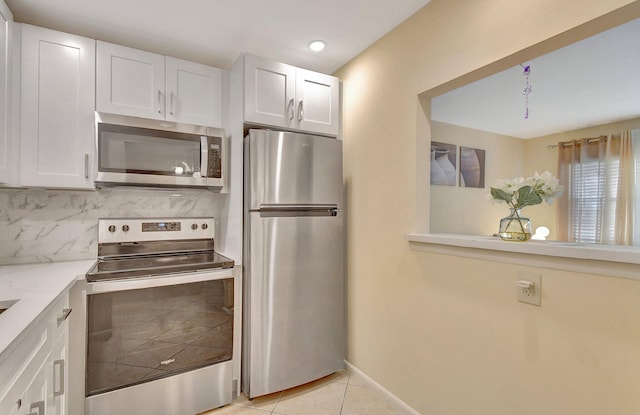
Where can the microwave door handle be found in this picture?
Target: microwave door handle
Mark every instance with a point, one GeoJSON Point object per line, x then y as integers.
{"type": "Point", "coordinates": [204, 156]}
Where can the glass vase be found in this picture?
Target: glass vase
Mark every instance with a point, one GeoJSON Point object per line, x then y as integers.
{"type": "Point", "coordinates": [515, 227]}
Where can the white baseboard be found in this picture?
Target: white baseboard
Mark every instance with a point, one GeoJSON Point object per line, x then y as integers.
{"type": "Point", "coordinates": [393, 400]}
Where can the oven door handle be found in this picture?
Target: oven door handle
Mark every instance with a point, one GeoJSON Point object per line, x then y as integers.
{"type": "Point", "coordinates": [107, 286]}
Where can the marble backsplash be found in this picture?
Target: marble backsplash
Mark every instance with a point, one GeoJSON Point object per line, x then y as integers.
{"type": "Point", "coordinates": [59, 225]}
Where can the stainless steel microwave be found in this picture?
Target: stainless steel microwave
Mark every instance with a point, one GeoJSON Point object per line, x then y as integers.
{"type": "Point", "coordinates": [142, 156]}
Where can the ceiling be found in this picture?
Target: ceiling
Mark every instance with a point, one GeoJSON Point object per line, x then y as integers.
{"type": "Point", "coordinates": [592, 82]}
{"type": "Point", "coordinates": [215, 32]}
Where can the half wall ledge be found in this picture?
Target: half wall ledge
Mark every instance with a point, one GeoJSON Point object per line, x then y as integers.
{"type": "Point", "coordinates": [607, 260]}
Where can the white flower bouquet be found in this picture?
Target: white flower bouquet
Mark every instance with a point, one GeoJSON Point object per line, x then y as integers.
{"type": "Point", "coordinates": [520, 192]}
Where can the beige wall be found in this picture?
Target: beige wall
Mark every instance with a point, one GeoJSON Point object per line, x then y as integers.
{"type": "Point", "coordinates": [444, 333]}
{"type": "Point", "coordinates": [449, 208]}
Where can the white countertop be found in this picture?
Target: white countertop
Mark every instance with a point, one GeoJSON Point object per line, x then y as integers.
{"type": "Point", "coordinates": [35, 286]}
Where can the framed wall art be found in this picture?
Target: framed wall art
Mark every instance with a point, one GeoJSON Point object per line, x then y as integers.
{"type": "Point", "coordinates": [443, 163]}
{"type": "Point", "coordinates": [472, 167]}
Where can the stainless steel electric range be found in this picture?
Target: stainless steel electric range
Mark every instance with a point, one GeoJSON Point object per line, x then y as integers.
{"type": "Point", "coordinates": [160, 319]}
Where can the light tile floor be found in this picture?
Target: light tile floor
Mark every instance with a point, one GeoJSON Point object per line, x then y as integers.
{"type": "Point", "coordinates": [338, 394]}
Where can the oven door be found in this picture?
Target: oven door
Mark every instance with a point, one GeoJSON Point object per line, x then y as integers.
{"type": "Point", "coordinates": [148, 337]}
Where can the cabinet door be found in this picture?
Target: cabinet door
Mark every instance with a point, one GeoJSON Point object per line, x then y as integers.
{"type": "Point", "coordinates": [6, 19]}
{"type": "Point", "coordinates": [35, 396]}
{"type": "Point", "coordinates": [318, 97]}
{"type": "Point", "coordinates": [57, 109]}
{"type": "Point", "coordinates": [129, 81]}
{"type": "Point", "coordinates": [269, 94]}
{"type": "Point", "coordinates": [194, 93]}
{"type": "Point", "coordinates": [59, 375]}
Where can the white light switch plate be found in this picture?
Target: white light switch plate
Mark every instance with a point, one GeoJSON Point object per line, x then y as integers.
{"type": "Point", "coordinates": [529, 295]}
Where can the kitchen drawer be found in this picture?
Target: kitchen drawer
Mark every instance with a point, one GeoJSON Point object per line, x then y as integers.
{"type": "Point", "coordinates": [58, 316]}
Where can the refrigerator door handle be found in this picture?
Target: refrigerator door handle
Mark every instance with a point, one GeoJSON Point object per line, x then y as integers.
{"type": "Point", "coordinates": [298, 210]}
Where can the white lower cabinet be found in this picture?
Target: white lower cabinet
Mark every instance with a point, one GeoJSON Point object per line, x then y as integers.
{"type": "Point", "coordinates": [57, 109]}
{"type": "Point", "coordinates": [57, 364]}
{"type": "Point", "coordinates": [35, 372]}
{"type": "Point", "coordinates": [34, 399]}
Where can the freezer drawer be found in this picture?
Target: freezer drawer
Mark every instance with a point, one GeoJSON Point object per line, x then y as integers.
{"type": "Point", "coordinates": [295, 313]}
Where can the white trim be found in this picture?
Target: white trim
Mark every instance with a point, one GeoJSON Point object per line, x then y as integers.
{"type": "Point", "coordinates": [606, 260]}
{"type": "Point", "coordinates": [392, 399]}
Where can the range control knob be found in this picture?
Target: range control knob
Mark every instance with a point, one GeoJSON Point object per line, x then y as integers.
{"type": "Point", "coordinates": [112, 228]}
{"type": "Point", "coordinates": [205, 226]}
{"type": "Point", "coordinates": [125, 228]}
{"type": "Point", "coordinates": [194, 226]}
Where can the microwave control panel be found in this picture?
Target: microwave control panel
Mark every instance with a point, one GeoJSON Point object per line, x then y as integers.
{"type": "Point", "coordinates": [214, 163]}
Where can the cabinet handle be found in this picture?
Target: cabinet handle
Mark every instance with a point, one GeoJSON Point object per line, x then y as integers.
{"type": "Point", "coordinates": [60, 391]}
{"type": "Point", "coordinates": [65, 315]}
{"type": "Point", "coordinates": [159, 102]}
{"type": "Point", "coordinates": [171, 103]}
{"type": "Point", "coordinates": [300, 111]}
{"type": "Point", "coordinates": [86, 166]}
{"type": "Point", "coordinates": [37, 405]}
{"type": "Point", "coordinates": [290, 107]}
{"type": "Point", "coordinates": [19, 403]}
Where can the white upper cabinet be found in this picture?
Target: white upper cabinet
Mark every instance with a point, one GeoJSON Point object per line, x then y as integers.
{"type": "Point", "coordinates": [269, 92]}
{"type": "Point", "coordinates": [318, 96]}
{"type": "Point", "coordinates": [282, 95]}
{"type": "Point", "coordinates": [194, 92]}
{"type": "Point", "coordinates": [6, 19]}
{"type": "Point", "coordinates": [144, 84]}
{"type": "Point", "coordinates": [57, 109]}
{"type": "Point", "coordinates": [129, 81]}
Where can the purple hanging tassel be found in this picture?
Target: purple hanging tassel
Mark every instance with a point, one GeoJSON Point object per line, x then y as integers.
{"type": "Point", "coordinates": [527, 89]}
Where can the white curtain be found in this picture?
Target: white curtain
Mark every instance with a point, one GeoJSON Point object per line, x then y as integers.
{"type": "Point", "coordinates": [599, 201]}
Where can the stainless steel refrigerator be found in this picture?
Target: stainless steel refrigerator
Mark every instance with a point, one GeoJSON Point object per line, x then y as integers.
{"type": "Point", "coordinates": [294, 305]}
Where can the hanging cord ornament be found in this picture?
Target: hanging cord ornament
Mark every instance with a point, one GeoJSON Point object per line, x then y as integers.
{"type": "Point", "coordinates": [527, 88]}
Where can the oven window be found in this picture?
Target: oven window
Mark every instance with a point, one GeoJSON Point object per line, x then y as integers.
{"type": "Point", "coordinates": [136, 336]}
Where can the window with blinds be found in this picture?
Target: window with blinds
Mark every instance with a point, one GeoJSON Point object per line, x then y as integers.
{"type": "Point", "coordinates": [593, 195]}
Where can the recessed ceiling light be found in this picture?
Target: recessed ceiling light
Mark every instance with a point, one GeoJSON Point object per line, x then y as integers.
{"type": "Point", "coordinates": [317, 45]}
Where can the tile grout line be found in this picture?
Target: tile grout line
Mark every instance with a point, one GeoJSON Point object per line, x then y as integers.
{"type": "Point", "coordinates": [273, 411]}
{"type": "Point", "coordinates": [344, 396]}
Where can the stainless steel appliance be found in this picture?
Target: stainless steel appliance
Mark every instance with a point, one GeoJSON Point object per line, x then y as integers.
{"type": "Point", "coordinates": [294, 315]}
{"type": "Point", "coordinates": [140, 152]}
{"type": "Point", "coordinates": [160, 319]}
